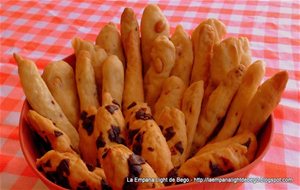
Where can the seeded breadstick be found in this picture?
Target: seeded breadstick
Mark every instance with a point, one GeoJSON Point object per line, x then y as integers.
{"type": "Point", "coordinates": [85, 80]}
{"type": "Point", "coordinates": [133, 85]}
{"type": "Point", "coordinates": [216, 106]}
{"type": "Point", "coordinates": [110, 40]}
{"type": "Point", "coordinates": [171, 94]}
{"type": "Point", "coordinates": [113, 78]}
{"type": "Point", "coordinates": [263, 103]}
{"type": "Point", "coordinates": [204, 37]}
{"type": "Point", "coordinates": [60, 79]}
{"type": "Point", "coordinates": [184, 55]}
{"type": "Point", "coordinates": [191, 107]}
{"type": "Point", "coordinates": [246, 91]}
{"type": "Point", "coordinates": [163, 60]}
{"type": "Point", "coordinates": [41, 100]}
{"type": "Point", "coordinates": [153, 24]}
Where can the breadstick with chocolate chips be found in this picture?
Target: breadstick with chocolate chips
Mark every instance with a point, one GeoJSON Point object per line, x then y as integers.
{"type": "Point", "coordinates": [60, 79]}
{"type": "Point", "coordinates": [171, 95]}
{"type": "Point", "coordinates": [85, 80]}
{"type": "Point", "coordinates": [250, 82]}
{"type": "Point", "coordinates": [46, 129]}
{"type": "Point", "coordinates": [133, 85]}
{"type": "Point", "coordinates": [191, 107]}
{"type": "Point", "coordinates": [69, 171]}
{"type": "Point", "coordinates": [163, 60]}
{"type": "Point", "coordinates": [153, 24]}
{"type": "Point", "coordinates": [121, 165]}
{"type": "Point", "coordinates": [172, 123]}
{"type": "Point", "coordinates": [41, 100]}
{"type": "Point", "coordinates": [110, 40]}
{"type": "Point", "coordinates": [113, 78]}
{"type": "Point", "coordinates": [216, 106]}
{"type": "Point", "coordinates": [184, 55]}
{"type": "Point", "coordinates": [204, 37]}
{"type": "Point", "coordinates": [263, 103]}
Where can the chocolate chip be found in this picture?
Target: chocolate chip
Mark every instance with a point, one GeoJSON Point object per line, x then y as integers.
{"type": "Point", "coordinates": [134, 164]}
{"type": "Point", "coordinates": [52, 102]}
{"type": "Point", "coordinates": [63, 167]}
{"type": "Point", "coordinates": [90, 167]}
{"type": "Point", "coordinates": [136, 159]}
{"type": "Point", "coordinates": [114, 135]}
{"type": "Point", "coordinates": [137, 144]}
{"type": "Point", "coordinates": [169, 133]}
{"type": "Point", "coordinates": [111, 108]}
{"type": "Point", "coordinates": [131, 105]}
{"type": "Point", "coordinates": [83, 115]}
{"type": "Point", "coordinates": [247, 144]}
{"type": "Point", "coordinates": [151, 149]}
{"type": "Point", "coordinates": [171, 174]}
{"type": "Point", "coordinates": [142, 115]}
{"type": "Point", "coordinates": [104, 185]}
{"type": "Point", "coordinates": [215, 170]}
{"type": "Point", "coordinates": [57, 133]}
{"type": "Point", "coordinates": [116, 103]}
{"type": "Point", "coordinates": [88, 124]}
{"type": "Point", "coordinates": [83, 186]}
{"type": "Point", "coordinates": [179, 147]}
{"type": "Point", "coordinates": [100, 141]}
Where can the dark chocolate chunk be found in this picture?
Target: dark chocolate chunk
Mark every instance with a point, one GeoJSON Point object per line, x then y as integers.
{"type": "Point", "coordinates": [90, 167]}
{"type": "Point", "coordinates": [215, 170]}
{"type": "Point", "coordinates": [114, 135]}
{"type": "Point", "coordinates": [142, 115]}
{"type": "Point", "coordinates": [171, 174]}
{"type": "Point", "coordinates": [150, 149]}
{"type": "Point", "coordinates": [116, 103]}
{"type": "Point", "coordinates": [111, 108]}
{"type": "Point", "coordinates": [131, 105]}
{"type": "Point", "coordinates": [57, 133]}
{"type": "Point", "coordinates": [136, 159]}
{"type": "Point", "coordinates": [83, 115]}
{"type": "Point", "coordinates": [88, 124]}
{"type": "Point", "coordinates": [129, 185]}
{"type": "Point", "coordinates": [104, 185]}
{"type": "Point", "coordinates": [169, 133]}
{"type": "Point", "coordinates": [63, 167]}
{"type": "Point", "coordinates": [52, 102]}
{"type": "Point", "coordinates": [247, 143]}
{"type": "Point", "coordinates": [179, 147]}
{"type": "Point", "coordinates": [83, 186]}
{"type": "Point", "coordinates": [137, 144]}
{"type": "Point", "coordinates": [100, 141]}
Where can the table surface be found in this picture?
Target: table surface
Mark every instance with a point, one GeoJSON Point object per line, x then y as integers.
{"type": "Point", "coordinates": [42, 31]}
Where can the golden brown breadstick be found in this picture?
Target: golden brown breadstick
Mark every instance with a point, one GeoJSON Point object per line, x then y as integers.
{"type": "Point", "coordinates": [110, 40]}
{"type": "Point", "coordinates": [60, 79]}
{"type": "Point", "coordinates": [171, 95]}
{"type": "Point", "coordinates": [58, 140]}
{"type": "Point", "coordinates": [41, 100]}
{"type": "Point", "coordinates": [191, 107]}
{"type": "Point", "coordinates": [204, 37]}
{"type": "Point", "coordinates": [85, 80]}
{"type": "Point", "coordinates": [246, 91]}
{"type": "Point", "coordinates": [172, 123]}
{"type": "Point", "coordinates": [263, 103]}
{"type": "Point", "coordinates": [163, 60]}
{"type": "Point", "coordinates": [153, 24]}
{"type": "Point", "coordinates": [133, 85]}
{"type": "Point", "coordinates": [216, 106]}
{"type": "Point", "coordinates": [184, 54]}
{"type": "Point", "coordinates": [113, 77]}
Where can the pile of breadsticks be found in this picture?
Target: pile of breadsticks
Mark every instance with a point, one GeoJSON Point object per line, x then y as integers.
{"type": "Point", "coordinates": [141, 104]}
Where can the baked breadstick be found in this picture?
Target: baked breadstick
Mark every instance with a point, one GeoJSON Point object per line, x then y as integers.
{"type": "Point", "coordinates": [110, 40]}
{"type": "Point", "coordinates": [120, 163]}
{"type": "Point", "coordinates": [85, 80]}
{"type": "Point", "coordinates": [171, 95]}
{"type": "Point", "coordinates": [153, 24]}
{"type": "Point", "coordinates": [184, 54]}
{"type": "Point", "coordinates": [191, 107]}
{"type": "Point", "coordinates": [163, 60]}
{"type": "Point", "coordinates": [172, 123]}
{"type": "Point", "coordinates": [41, 100]}
{"type": "Point", "coordinates": [263, 103]}
{"type": "Point", "coordinates": [45, 128]}
{"type": "Point", "coordinates": [133, 85]}
{"type": "Point", "coordinates": [60, 79]}
{"type": "Point", "coordinates": [216, 106]}
{"type": "Point", "coordinates": [204, 37]}
{"type": "Point", "coordinates": [247, 139]}
{"type": "Point", "coordinates": [250, 82]}
{"type": "Point", "coordinates": [69, 171]}
{"type": "Point", "coordinates": [113, 77]}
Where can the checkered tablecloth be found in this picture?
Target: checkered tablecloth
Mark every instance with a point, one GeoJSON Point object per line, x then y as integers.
{"type": "Point", "coordinates": [42, 31]}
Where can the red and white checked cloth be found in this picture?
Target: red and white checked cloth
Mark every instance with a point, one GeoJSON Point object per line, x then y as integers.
{"type": "Point", "coordinates": [42, 31]}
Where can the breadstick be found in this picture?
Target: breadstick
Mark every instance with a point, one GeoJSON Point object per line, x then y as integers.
{"type": "Point", "coordinates": [41, 100]}
{"type": "Point", "coordinates": [184, 54]}
{"type": "Point", "coordinates": [216, 106]}
{"type": "Point", "coordinates": [113, 77]}
{"type": "Point", "coordinates": [153, 24]}
{"type": "Point", "coordinates": [60, 79]}
{"type": "Point", "coordinates": [263, 103]}
{"type": "Point", "coordinates": [191, 107]}
{"type": "Point", "coordinates": [204, 37]}
{"type": "Point", "coordinates": [163, 60]}
{"type": "Point", "coordinates": [133, 85]}
{"type": "Point", "coordinates": [85, 80]}
{"type": "Point", "coordinates": [246, 91]}
{"type": "Point", "coordinates": [110, 40]}
{"type": "Point", "coordinates": [171, 95]}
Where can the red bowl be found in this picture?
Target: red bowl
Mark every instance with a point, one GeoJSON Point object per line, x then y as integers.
{"type": "Point", "coordinates": [31, 149]}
